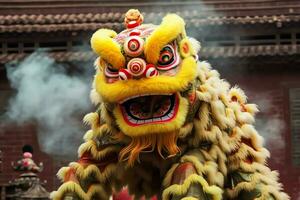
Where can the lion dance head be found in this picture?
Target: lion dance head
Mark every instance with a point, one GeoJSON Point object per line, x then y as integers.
{"type": "Point", "coordinates": [146, 80]}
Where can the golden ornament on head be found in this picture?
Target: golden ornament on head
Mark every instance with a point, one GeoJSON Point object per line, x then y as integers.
{"type": "Point", "coordinates": [133, 18]}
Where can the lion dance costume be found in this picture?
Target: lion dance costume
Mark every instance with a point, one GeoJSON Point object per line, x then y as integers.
{"type": "Point", "coordinates": [166, 124]}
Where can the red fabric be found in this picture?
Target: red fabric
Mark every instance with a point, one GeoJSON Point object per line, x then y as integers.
{"type": "Point", "coordinates": [124, 195]}
{"type": "Point", "coordinates": [182, 172]}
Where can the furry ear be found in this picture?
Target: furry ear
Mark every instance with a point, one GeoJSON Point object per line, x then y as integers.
{"type": "Point", "coordinates": [171, 26]}
{"type": "Point", "coordinates": [195, 44]}
{"type": "Point", "coordinates": [103, 44]}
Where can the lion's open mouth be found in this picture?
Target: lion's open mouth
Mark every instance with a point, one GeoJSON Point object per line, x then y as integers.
{"type": "Point", "coordinates": [150, 109]}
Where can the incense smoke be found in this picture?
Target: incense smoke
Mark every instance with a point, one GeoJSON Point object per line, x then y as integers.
{"type": "Point", "coordinates": [269, 124]}
{"type": "Point", "coordinates": [56, 101]}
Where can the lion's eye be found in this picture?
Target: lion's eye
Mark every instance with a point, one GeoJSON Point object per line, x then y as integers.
{"type": "Point", "coordinates": [168, 58]}
{"type": "Point", "coordinates": [134, 46]}
{"type": "Point", "coordinates": [112, 73]}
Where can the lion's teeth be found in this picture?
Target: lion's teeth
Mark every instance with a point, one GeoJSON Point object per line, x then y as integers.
{"type": "Point", "coordinates": [170, 115]}
{"type": "Point", "coordinates": [140, 121]}
{"type": "Point", "coordinates": [134, 121]}
{"type": "Point", "coordinates": [156, 119]}
{"type": "Point", "coordinates": [165, 118]}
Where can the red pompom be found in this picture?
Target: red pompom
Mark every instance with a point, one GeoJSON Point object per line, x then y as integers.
{"type": "Point", "coordinates": [150, 71]}
{"type": "Point", "coordinates": [124, 74]}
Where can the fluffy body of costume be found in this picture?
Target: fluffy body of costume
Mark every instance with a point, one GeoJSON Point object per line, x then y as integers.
{"type": "Point", "coordinates": [166, 124]}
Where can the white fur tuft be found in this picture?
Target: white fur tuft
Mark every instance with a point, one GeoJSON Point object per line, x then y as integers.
{"type": "Point", "coordinates": [195, 44]}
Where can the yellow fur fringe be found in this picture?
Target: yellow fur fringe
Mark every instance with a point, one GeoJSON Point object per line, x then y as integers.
{"type": "Point", "coordinates": [208, 168]}
{"type": "Point", "coordinates": [93, 171]}
{"type": "Point", "coordinates": [178, 190]}
{"type": "Point", "coordinates": [71, 187]}
{"type": "Point", "coordinates": [90, 146]}
{"type": "Point", "coordinates": [61, 174]}
{"type": "Point", "coordinates": [268, 186]}
{"type": "Point", "coordinates": [92, 119]}
{"type": "Point", "coordinates": [189, 198]}
{"type": "Point", "coordinates": [95, 97]}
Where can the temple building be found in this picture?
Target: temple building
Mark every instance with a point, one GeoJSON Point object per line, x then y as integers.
{"type": "Point", "coordinates": [252, 43]}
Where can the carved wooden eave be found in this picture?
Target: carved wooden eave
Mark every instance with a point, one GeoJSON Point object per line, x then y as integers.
{"type": "Point", "coordinates": [91, 22]}
{"type": "Point", "coordinates": [74, 15]}
{"type": "Point", "coordinates": [226, 7]}
{"type": "Point", "coordinates": [206, 52]}
{"type": "Point", "coordinates": [76, 18]}
{"type": "Point", "coordinates": [67, 56]}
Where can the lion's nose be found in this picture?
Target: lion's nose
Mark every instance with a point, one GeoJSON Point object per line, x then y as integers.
{"type": "Point", "coordinates": [137, 68]}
